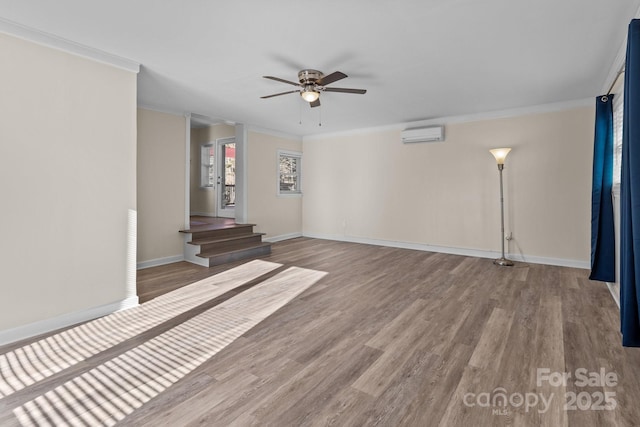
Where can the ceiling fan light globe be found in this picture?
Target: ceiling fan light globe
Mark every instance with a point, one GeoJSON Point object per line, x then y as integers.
{"type": "Point", "coordinates": [310, 95]}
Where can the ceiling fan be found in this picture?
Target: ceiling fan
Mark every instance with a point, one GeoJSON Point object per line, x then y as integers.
{"type": "Point", "coordinates": [311, 83]}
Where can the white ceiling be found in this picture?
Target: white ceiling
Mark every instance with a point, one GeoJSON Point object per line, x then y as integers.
{"type": "Point", "coordinates": [418, 59]}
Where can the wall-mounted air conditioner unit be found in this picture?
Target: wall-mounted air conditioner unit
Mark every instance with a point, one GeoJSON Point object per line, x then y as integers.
{"type": "Point", "coordinates": [428, 134]}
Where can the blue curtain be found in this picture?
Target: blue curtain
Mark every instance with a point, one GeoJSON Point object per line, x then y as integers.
{"type": "Point", "coordinates": [630, 194]}
{"type": "Point", "coordinates": [603, 243]}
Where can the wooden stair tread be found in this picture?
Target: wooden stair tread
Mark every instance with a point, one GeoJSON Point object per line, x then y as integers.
{"type": "Point", "coordinates": [220, 243]}
{"type": "Point", "coordinates": [212, 240]}
{"type": "Point", "coordinates": [214, 227]}
{"type": "Point", "coordinates": [233, 249]}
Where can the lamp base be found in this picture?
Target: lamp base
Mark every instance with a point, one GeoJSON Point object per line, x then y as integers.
{"type": "Point", "coordinates": [503, 262]}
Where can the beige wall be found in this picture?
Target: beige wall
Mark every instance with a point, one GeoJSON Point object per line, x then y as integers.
{"type": "Point", "coordinates": [161, 185]}
{"type": "Point", "coordinates": [67, 180]}
{"type": "Point", "coordinates": [203, 200]}
{"type": "Point", "coordinates": [278, 216]}
{"type": "Point", "coordinates": [371, 186]}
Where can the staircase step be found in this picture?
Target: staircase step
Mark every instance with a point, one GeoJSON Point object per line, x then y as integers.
{"type": "Point", "coordinates": [217, 256]}
{"type": "Point", "coordinates": [220, 232]}
{"type": "Point", "coordinates": [209, 227]}
{"type": "Point", "coordinates": [219, 243]}
{"type": "Point", "coordinates": [225, 242]}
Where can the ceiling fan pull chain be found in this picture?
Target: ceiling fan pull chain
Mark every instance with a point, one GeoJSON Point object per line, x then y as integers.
{"type": "Point", "coordinates": [320, 114]}
{"type": "Point", "coordinates": [300, 103]}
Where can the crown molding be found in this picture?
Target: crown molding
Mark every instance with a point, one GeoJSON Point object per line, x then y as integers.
{"type": "Point", "coordinates": [163, 110]}
{"type": "Point", "coordinates": [271, 132]}
{"type": "Point", "coordinates": [616, 67]}
{"type": "Point", "coordinates": [476, 117]}
{"type": "Point", "coordinates": [200, 121]}
{"type": "Point", "coordinates": [618, 62]}
{"type": "Point", "coordinates": [49, 40]}
{"type": "Point", "coordinates": [507, 113]}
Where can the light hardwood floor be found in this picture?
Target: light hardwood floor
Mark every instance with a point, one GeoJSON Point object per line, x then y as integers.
{"type": "Point", "coordinates": [390, 337]}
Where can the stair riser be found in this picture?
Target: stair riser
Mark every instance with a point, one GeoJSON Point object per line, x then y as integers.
{"type": "Point", "coordinates": [236, 256]}
{"type": "Point", "coordinates": [228, 244]}
{"type": "Point", "coordinates": [222, 233]}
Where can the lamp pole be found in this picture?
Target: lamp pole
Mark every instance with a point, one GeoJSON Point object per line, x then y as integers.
{"type": "Point", "coordinates": [500, 155]}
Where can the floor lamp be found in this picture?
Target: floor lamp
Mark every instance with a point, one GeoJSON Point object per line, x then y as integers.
{"type": "Point", "coordinates": [501, 154]}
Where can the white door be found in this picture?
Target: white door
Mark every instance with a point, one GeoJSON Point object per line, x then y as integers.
{"type": "Point", "coordinates": [226, 177]}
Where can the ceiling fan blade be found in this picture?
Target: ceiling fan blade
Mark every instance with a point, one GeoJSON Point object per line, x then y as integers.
{"type": "Point", "coordinates": [315, 103]}
{"type": "Point", "coordinates": [333, 77]}
{"type": "Point", "coordinates": [278, 79]}
{"type": "Point", "coordinates": [345, 90]}
{"type": "Point", "coordinates": [278, 94]}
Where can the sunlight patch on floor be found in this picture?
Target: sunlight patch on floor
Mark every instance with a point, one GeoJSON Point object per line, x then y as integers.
{"type": "Point", "coordinates": [27, 365]}
{"type": "Point", "coordinates": [108, 393]}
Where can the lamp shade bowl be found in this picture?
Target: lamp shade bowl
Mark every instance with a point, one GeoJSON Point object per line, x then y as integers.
{"type": "Point", "coordinates": [500, 154]}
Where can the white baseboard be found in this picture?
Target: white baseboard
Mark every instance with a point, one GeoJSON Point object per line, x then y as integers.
{"type": "Point", "coordinates": [560, 262]}
{"type": "Point", "coordinates": [191, 253]}
{"type": "Point", "coordinates": [282, 237]}
{"type": "Point", "coordinates": [159, 261]}
{"type": "Point", "coordinates": [479, 253]}
{"type": "Point", "coordinates": [43, 326]}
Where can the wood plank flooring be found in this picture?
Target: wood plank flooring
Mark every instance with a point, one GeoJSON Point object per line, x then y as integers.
{"type": "Point", "coordinates": [388, 337]}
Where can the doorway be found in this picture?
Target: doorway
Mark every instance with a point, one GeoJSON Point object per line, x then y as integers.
{"type": "Point", "coordinates": [216, 187]}
{"type": "Point", "coordinates": [226, 177]}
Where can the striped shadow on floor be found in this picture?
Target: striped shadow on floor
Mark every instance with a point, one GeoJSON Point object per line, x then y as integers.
{"type": "Point", "coordinates": [27, 365]}
{"type": "Point", "coordinates": [109, 392]}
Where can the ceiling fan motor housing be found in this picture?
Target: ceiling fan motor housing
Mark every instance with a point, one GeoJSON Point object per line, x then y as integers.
{"type": "Point", "coordinates": [309, 76]}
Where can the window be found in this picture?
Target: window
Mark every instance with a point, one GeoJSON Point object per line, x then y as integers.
{"type": "Point", "coordinates": [618, 110]}
{"type": "Point", "coordinates": [289, 173]}
{"type": "Point", "coordinates": [207, 170]}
